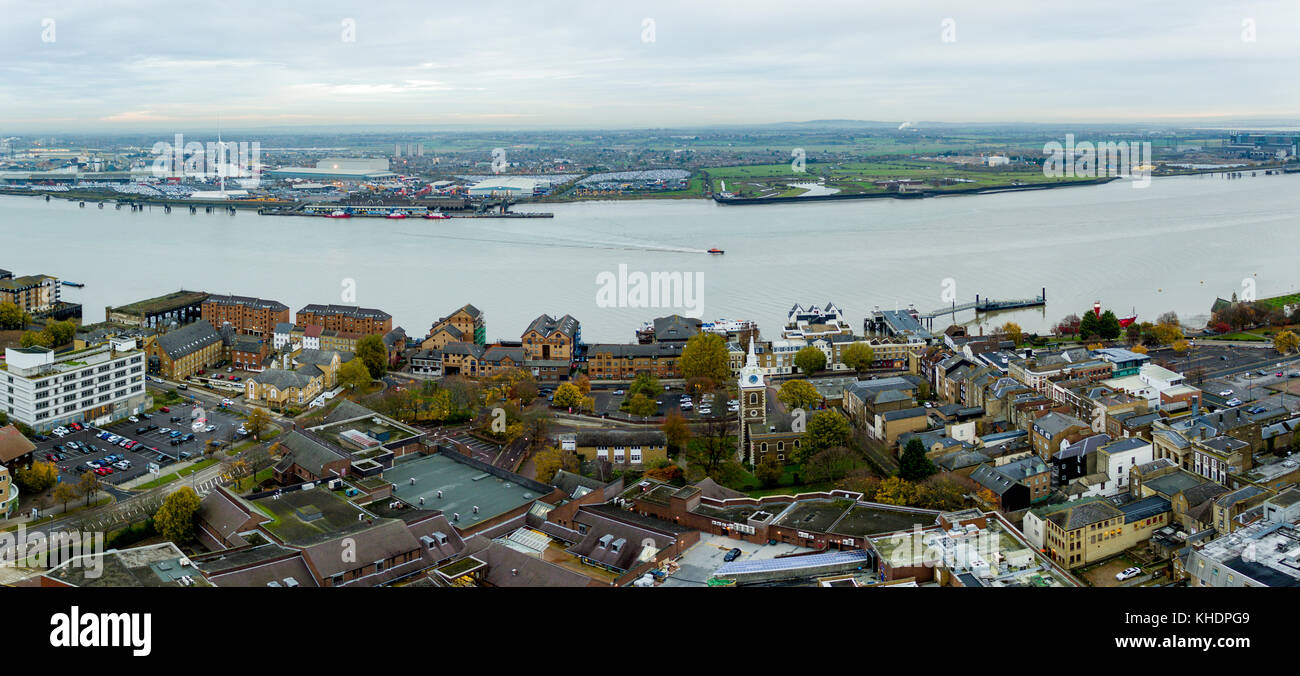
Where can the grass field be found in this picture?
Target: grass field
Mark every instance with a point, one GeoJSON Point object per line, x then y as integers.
{"type": "Point", "coordinates": [851, 178]}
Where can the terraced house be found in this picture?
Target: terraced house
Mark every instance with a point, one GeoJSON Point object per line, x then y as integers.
{"type": "Point", "coordinates": [365, 321]}
{"type": "Point", "coordinates": [622, 448]}
{"type": "Point", "coordinates": [548, 338]}
{"type": "Point", "coordinates": [249, 316]}
{"type": "Point", "coordinates": [182, 352]}
{"type": "Point", "coordinates": [623, 362]}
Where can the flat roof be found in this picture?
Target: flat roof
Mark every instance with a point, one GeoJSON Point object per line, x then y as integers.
{"type": "Point", "coordinates": [309, 517]}
{"type": "Point", "coordinates": [166, 303]}
{"type": "Point", "coordinates": [463, 487]}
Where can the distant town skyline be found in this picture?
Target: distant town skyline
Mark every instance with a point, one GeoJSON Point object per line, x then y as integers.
{"type": "Point", "coordinates": [149, 65]}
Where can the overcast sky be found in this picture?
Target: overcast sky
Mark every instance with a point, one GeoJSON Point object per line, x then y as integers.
{"type": "Point", "coordinates": [144, 64]}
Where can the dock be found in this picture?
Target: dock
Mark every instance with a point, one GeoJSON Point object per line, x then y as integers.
{"type": "Point", "coordinates": [980, 305]}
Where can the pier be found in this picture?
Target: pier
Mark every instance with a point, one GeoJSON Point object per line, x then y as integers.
{"type": "Point", "coordinates": [984, 305]}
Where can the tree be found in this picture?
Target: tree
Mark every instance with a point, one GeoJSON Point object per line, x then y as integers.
{"type": "Point", "coordinates": [1286, 342]}
{"type": "Point", "coordinates": [1068, 326]}
{"type": "Point", "coordinates": [567, 395]}
{"type": "Point", "coordinates": [64, 493]}
{"type": "Point", "coordinates": [88, 485]}
{"type": "Point", "coordinates": [548, 462]}
{"type": "Point", "coordinates": [644, 383]}
{"type": "Point", "coordinates": [769, 471]}
{"type": "Point", "coordinates": [896, 491]}
{"type": "Point", "coordinates": [37, 477]}
{"type": "Point", "coordinates": [641, 405]}
{"type": "Point", "coordinates": [583, 383]}
{"type": "Point", "coordinates": [175, 518]}
{"type": "Point", "coordinates": [664, 470]}
{"type": "Point", "coordinates": [255, 422]}
{"type": "Point", "coordinates": [1180, 346]}
{"type": "Point", "coordinates": [858, 356]}
{"type": "Point", "coordinates": [798, 394]}
{"type": "Point", "coordinates": [1108, 326]}
{"type": "Point", "coordinates": [677, 431]}
{"type": "Point", "coordinates": [35, 339]}
{"type": "Point", "coordinates": [374, 354]}
{"type": "Point", "coordinates": [12, 317]}
{"type": "Point", "coordinates": [1140, 349]}
{"type": "Point", "coordinates": [705, 356]}
{"type": "Point", "coordinates": [1167, 334]}
{"type": "Point", "coordinates": [61, 333]}
{"type": "Point", "coordinates": [914, 465]}
{"type": "Point", "coordinates": [1169, 318]}
{"type": "Point", "coordinates": [826, 429]}
{"type": "Point", "coordinates": [941, 493]}
{"type": "Point", "coordinates": [831, 464]}
{"type": "Point", "coordinates": [354, 375]}
{"type": "Point", "coordinates": [714, 447]}
{"type": "Point", "coordinates": [1089, 325]}
{"type": "Point", "coordinates": [810, 360]}
{"type": "Point", "coordinates": [1013, 333]}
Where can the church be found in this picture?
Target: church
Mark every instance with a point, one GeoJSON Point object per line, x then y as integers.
{"type": "Point", "coordinates": [765, 426]}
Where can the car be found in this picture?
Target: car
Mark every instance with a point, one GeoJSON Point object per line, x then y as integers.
{"type": "Point", "coordinates": [92, 464]}
{"type": "Point", "coordinates": [103, 435]}
{"type": "Point", "coordinates": [134, 419]}
{"type": "Point", "coordinates": [141, 430]}
{"type": "Point", "coordinates": [1226, 393]}
{"type": "Point", "coordinates": [1262, 372]}
{"type": "Point", "coordinates": [51, 457]}
{"type": "Point", "coordinates": [104, 471]}
{"type": "Point", "coordinates": [151, 428]}
{"type": "Point", "coordinates": [165, 410]}
{"type": "Point", "coordinates": [188, 437]}
{"type": "Point", "coordinates": [1234, 402]}
{"type": "Point", "coordinates": [618, 393]}
{"type": "Point", "coordinates": [76, 427]}
{"type": "Point", "coordinates": [732, 555]}
{"type": "Point", "coordinates": [60, 432]}
{"type": "Point", "coordinates": [182, 386]}
{"type": "Point", "coordinates": [1279, 374]}
{"type": "Point", "coordinates": [146, 416]}
{"type": "Point", "coordinates": [227, 402]}
{"type": "Point", "coordinates": [174, 418]}
{"type": "Point", "coordinates": [202, 371]}
{"type": "Point", "coordinates": [239, 378]}
{"type": "Point", "coordinates": [1128, 574]}
{"type": "Point", "coordinates": [165, 430]}
{"type": "Point", "coordinates": [229, 370]}
{"type": "Point", "coordinates": [210, 428]}
{"type": "Point", "coordinates": [41, 437]}
{"type": "Point", "coordinates": [175, 433]}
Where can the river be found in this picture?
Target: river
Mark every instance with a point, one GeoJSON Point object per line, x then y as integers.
{"type": "Point", "coordinates": [1174, 245]}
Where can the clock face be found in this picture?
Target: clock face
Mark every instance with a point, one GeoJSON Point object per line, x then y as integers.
{"type": "Point", "coordinates": [753, 412]}
{"type": "Point", "coordinates": [753, 378]}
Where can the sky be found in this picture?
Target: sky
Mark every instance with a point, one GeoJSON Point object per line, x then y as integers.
{"type": "Point", "coordinates": [145, 65]}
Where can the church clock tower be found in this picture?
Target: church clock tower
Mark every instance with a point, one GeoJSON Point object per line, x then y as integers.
{"type": "Point", "coordinates": [753, 402]}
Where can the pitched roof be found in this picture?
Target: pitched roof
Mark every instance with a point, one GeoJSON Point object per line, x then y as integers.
{"type": "Point", "coordinates": [13, 444]}
{"type": "Point", "coordinates": [188, 339]}
{"type": "Point", "coordinates": [310, 454]}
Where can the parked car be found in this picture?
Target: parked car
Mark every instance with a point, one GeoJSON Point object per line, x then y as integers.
{"type": "Point", "coordinates": [1234, 402]}
{"type": "Point", "coordinates": [146, 416]}
{"type": "Point", "coordinates": [165, 409]}
{"type": "Point", "coordinates": [210, 428]}
{"type": "Point", "coordinates": [76, 427]}
{"type": "Point", "coordinates": [732, 555]}
{"type": "Point", "coordinates": [134, 419]}
{"type": "Point", "coordinates": [1226, 393]}
{"type": "Point", "coordinates": [1128, 574]}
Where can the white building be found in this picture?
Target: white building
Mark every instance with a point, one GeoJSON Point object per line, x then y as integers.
{"type": "Point", "coordinates": [1149, 382]}
{"type": "Point", "coordinates": [98, 384]}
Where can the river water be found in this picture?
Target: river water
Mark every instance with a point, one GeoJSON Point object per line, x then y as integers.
{"type": "Point", "coordinates": [1174, 245]}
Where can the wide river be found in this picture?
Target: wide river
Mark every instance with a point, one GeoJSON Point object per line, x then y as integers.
{"type": "Point", "coordinates": [1174, 245]}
